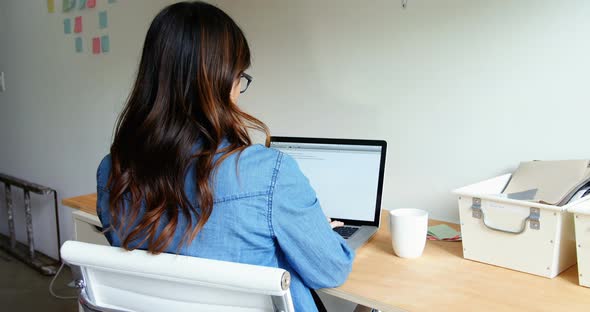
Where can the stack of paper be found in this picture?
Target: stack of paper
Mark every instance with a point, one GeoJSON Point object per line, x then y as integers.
{"type": "Point", "coordinates": [443, 232]}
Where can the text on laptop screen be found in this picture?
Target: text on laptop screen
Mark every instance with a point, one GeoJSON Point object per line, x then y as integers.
{"type": "Point", "coordinates": [345, 177]}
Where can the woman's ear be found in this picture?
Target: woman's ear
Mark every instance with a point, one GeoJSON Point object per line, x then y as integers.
{"type": "Point", "coordinates": [235, 91]}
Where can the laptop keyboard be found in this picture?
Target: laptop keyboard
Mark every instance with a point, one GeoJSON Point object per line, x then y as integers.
{"type": "Point", "coordinates": [345, 231]}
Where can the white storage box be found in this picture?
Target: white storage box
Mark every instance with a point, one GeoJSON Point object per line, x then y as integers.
{"type": "Point", "coordinates": [519, 235]}
{"type": "Point", "coordinates": [581, 213]}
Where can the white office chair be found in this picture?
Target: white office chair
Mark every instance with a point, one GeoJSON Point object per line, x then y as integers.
{"type": "Point", "coordinates": [113, 279]}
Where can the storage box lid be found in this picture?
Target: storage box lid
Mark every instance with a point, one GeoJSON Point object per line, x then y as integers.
{"type": "Point", "coordinates": [581, 206]}
{"type": "Point", "coordinates": [491, 190]}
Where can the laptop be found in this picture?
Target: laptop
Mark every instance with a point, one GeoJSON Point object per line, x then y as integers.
{"type": "Point", "coordinates": [347, 176]}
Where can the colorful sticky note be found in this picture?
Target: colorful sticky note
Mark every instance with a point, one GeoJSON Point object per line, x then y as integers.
{"type": "Point", "coordinates": [81, 4]}
{"type": "Point", "coordinates": [112, 1]}
{"type": "Point", "coordinates": [95, 45]}
{"type": "Point", "coordinates": [68, 5]}
{"type": "Point", "coordinates": [79, 47]}
{"type": "Point", "coordinates": [105, 44]}
{"type": "Point", "coordinates": [103, 21]}
{"type": "Point", "coordinates": [78, 24]}
{"type": "Point", "coordinates": [67, 26]}
{"type": "Point", "coordinates": [90, 3]}
{"type": "Point", "coordinates": [50, 6]}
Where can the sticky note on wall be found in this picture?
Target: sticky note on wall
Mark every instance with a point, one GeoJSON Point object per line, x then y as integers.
{"type": "Point", "coordinates": [79, 46]}
{"type": "Point", "coordinates": [90, 3]}
{"type": "Point", "coordinates": [67, 26]}
{"type": "Point", "coordinates": [68, 5]}
{"type": "Point", "coordinates": [105, 44]}
{"type": "Point", "coordinates": [81, 4]}
{"type": "Point", "coordinates": [78, 24]}
{"type": "Point", "coordinates": [103, 21]}
{"type": "Point", "coordinates": [112, 1]}
{"type": "Point", "coordinates": [96, 45]}
{"type": "Point", "coordinates": [50, 6]}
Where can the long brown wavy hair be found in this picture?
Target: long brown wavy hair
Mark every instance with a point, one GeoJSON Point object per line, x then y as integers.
{"type": "Point", "coordinates": [192, 57]}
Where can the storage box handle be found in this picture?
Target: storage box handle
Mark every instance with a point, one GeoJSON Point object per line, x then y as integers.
{"type": "Point", "coordinates": [533, 219]}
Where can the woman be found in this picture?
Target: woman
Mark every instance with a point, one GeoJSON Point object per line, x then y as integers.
{"type": "Point", "coordinates": [183, 176]}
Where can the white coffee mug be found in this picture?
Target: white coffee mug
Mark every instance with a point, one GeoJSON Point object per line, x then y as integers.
{"type": "Point", "coordinates": [408, 229]}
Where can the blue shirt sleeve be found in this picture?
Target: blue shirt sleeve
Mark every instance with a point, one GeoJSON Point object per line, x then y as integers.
{"type": "Point", "coordinates": [102, 191]}
{"type": "Point", "coordinates": [318, 254]}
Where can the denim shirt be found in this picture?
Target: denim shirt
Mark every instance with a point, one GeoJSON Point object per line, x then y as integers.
{"type": "Point", "coordinates": [266, 213]}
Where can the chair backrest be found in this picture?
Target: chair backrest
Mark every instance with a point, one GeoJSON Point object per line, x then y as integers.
{"type": "Point", "coordinates": [113, 279]}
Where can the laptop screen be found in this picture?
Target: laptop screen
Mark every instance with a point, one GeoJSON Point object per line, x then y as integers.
{"type": "Point", "coordinates": [347, 177]}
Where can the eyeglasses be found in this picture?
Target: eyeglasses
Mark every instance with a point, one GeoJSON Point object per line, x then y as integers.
{"type": "Point", "coordinates": [245, 81]}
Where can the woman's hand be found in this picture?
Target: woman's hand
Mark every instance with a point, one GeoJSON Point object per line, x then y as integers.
{"type": "Point", "coordinates": [335, 224]}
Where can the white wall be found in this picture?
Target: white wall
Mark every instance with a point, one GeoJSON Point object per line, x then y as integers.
{"type": "Point", "coordinates": [461, 89]}
{"type": "Point", "coordinates": [58, 111]}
